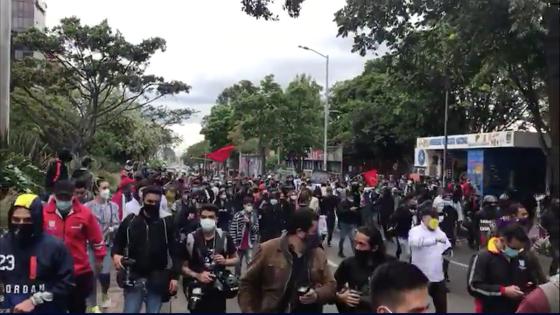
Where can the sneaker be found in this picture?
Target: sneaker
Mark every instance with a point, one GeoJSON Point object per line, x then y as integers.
{"type": "Point", "coordinates": [94, 310]}
{"type": "Point", "coordinates": [106, 301]}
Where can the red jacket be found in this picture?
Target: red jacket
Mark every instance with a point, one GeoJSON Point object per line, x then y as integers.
{"type": "Point", "coordinates": [79, 228]}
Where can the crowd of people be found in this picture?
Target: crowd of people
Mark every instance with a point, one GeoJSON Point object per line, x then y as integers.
{"type": "Point", "coordinates": [263, 241]}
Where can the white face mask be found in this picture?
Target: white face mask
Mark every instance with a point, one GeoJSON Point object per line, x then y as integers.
{"type": "Point", "coordinates": [248, 208]}
{"type": "Point", "coordinates": [105, 194]}
{"type": "Point", "coordinates": [223, 197]}
{"type": "Point", "coordinates": [208, 225]}
{"type": "Point", "coordinates": [273, 202]}
{"type": "Point", "coordinates": [293, 197]}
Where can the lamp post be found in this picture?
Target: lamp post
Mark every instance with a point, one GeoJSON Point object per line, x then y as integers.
{"type": "Point", "coordinates": [446, 117]}
{"type": "Point", "coordinates": [326, 109]}
{"type": "Point", "coordinates": [5, 52]}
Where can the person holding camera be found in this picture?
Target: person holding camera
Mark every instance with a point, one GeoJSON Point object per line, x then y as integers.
{"type": "Point", "coordinates": [145, 253]}
{"type": "Point", "coordinates": [352, 276]}
{"type": "Point", "coordinates": [288, 274]}
{"type": "Point", "coordinates": [209, 251]}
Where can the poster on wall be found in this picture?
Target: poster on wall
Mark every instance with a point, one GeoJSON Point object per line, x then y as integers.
{"type": "Point", "coordinates": [475, 169]}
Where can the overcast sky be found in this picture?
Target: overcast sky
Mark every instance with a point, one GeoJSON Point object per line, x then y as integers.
{"type": "Point", "coordinates": [212, 44]}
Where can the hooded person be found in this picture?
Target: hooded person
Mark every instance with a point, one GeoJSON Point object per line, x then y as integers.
{"type": "Point", "coordinates": [36, 270]}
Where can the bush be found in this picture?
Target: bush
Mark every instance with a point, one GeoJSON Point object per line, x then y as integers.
{"type": "Point", "coordinates": [19, 174]}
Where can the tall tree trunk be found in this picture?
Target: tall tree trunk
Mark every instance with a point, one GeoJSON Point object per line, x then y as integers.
{"type": "Point", "coordinates": [552, 49]}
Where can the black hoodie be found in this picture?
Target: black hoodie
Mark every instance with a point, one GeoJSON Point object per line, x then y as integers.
{"type": "Point", "coordinates": [43, 265]}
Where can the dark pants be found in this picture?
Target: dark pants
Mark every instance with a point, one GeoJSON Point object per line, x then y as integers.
{"type": "Point", "coordinates": [330, 227]}
{"type": "Point", "coordinates": [212, 303]}
{"type": "Point", "coordinates": [439, 295]}
{"type": "Point", "coordinates": [79, 294]}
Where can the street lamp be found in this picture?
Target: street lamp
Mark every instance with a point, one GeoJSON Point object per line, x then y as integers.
{"type": "Point", "coordinates": [326, 109]}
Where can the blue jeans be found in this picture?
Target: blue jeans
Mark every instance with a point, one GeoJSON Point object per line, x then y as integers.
{"type": "Point", "coordinates": [346, 230]}
{"type": "Point", "coordinates": [135, 296]}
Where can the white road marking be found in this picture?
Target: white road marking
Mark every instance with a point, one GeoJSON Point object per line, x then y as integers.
{"type": "Point", "coordinates": [456, 263]}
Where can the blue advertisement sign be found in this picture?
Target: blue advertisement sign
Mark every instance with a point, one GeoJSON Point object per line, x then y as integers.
{"type": "Point", "coordinates": [475, 169]}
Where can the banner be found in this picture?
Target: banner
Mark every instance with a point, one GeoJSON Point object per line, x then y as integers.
{"type": "Point", "coordinates": [370, 177]}
{"type": "Point", "coordinates": [221, 154]}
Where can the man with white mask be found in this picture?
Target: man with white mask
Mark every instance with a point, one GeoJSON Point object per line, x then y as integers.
{"type": "Point", "coordinates": [209, 252]}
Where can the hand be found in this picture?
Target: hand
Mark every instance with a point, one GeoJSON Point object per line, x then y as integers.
{"type": "Point", "coordinates": [309, 297]}
{"type": "Point", "coordinates": [24, 307]}
{"type": "Point", "coordinates": [348, 297]}
{"type": "Point", "coordinates": [441, 240]}
{"type": "Point", "coordinates": [219, 259]}
{"type": "Point", "coordinates": [117, 261]}
{"type": "Point", "coordinates": [190, 216]}
{"type": "Point", "coordinates": [246, 219]}
{"type": "Point", "coordinates": [173, 286]}
{"type": "Point", "coordinates": [205, 277]}
{"type": "Point", "coordinates": [513, 292]}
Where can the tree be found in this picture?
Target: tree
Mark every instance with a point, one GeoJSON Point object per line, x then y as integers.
{"type": "Point", "coordinates": [94, 70]}
{"type": "Point", "coordinates": [217, 125]}
{"type": "Point", "coordinates": [301, 120]}
{"type": "Point", "coordinates": [195, 153]}
{"type": "Point", "coordinates": [516, 40]}
{"type": "Point", "coordinates": [261, 114]}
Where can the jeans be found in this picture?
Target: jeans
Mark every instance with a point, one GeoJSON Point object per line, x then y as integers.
{"type": "Point", "coordinates": [135, 296]}
{"type": "Point", "coordinates": [244, 254]}
{"type": "Point", "coordinates": [104, 276]}
{"type": "Point", "coordinates": [346, 230]}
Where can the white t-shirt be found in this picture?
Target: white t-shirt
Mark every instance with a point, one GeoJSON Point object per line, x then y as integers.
{"type": "Point", "coordinates": [426, 251]}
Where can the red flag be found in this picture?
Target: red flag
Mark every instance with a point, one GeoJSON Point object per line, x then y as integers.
{"type": "Point", "coordinates": [221, 154]}
{"type": "Point", "coordinates": [370, 177]}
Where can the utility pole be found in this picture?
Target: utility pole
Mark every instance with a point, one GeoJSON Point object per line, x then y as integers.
{"type": "Point", "coordinates": [444, 168]}
{"type": "Point", "coordinates": [5, 56]}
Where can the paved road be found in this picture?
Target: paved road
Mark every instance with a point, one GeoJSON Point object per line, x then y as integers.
{"type": "Point", "coordinates": [458, 300]}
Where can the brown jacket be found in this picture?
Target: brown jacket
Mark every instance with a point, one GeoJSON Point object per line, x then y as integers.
{"type": "Point", "coordinates": [262, 287]}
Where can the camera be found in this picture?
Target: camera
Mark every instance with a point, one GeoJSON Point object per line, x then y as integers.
{"type": "Point", "coordinates": [124, 278]}
{"type": "Point", "coordinates": [196, 293]}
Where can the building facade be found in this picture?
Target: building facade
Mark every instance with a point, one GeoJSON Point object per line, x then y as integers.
{"type": "Point", "coordinates": [25, 15]}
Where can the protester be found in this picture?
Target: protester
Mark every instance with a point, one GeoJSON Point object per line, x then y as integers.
{"type": "Point", "coordinates": [244, 230]}
{"type": "Point", "coordinates": [284, 266]}
{"type": "Point", "coordinates": [544, 299]}
{"type": "Point", "coordinates": [399, 287]}
{"type": "Point", "coordinates": [123, 195]}
{"type": "Point", "coordinates": [84, 173]}
{"type": "Point", "coordinates": [57, 170]}
{"type": "Point", "coordinates": [81, 192]}
{"type": "Point", "coordinates": [328, 207]}
{"type": "Point", "coordinates": [106, 213]}
{"type": "Point", "coordinates": [428, 243]}
{"type": "Point", "coordinates": [37, 270]}
{"type": "Point", "coordinates": [272, 219]}
{"type": "Point", "coordinates": [67, 219]}
{"type": "Point", "coordinates": [209, 250]}
{"type": "Point", "coordinates": [149, 241]}
{"type": "Point", "coordinates": [352, 275]}
{"type": "Point", "coordinates": [497, 277]}
{"type": "Point", "coordinates": [401, 221]}
{"type": "Point", "coordinates": [226, 210]}
{"type": "Point", "coordinates": [348, 220]}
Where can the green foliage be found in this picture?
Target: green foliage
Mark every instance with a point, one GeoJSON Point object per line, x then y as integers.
{"type": "Point", "coordinates": [91, 76]}
{"type": "Point", "coordinates": [19, 174]}
{"type": "Point", "coordinates": [195, 153]}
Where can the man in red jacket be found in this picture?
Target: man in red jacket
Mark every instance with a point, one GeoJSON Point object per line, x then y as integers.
{"type": "Point", "coordinates": [67, 219]}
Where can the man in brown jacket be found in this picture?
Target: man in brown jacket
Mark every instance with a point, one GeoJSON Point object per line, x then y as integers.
{"type": "Point", "coordinates": [288, 274]}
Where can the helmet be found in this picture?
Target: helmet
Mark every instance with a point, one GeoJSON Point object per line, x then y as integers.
{"type": "Point", "coordinates": [489, 199]}
{"type": "Point", "coordinates": [229, 283]}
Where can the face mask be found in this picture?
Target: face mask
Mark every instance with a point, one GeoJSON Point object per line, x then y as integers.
{"type": "Point", "coordinates": [433, 224]}
{"type": "Point", "coordinates": [152, 210]}
{"type": "Point", "coordinates": [273, 202]}
{"type": "Point", "coordinates": [363, 255]}
{"type": "Point", "coordinates": [248, 208]}
{"type": "Point", "coordinates": [293, 197]}
{"type": "Point", "coordinates": [510, 252]}
{"type": "Point", "coordinates": [63, 206]}
{"type": "Point", "coordinates": [105, 194]}
{"type": "Point", "coordinates": [22, 233]}
{"type": "Point", "coordinates": [186, 197]}
{"type": "Point", "coordinates": [223, 197]}
{"type": "Point", "coordinates": [208, 225]}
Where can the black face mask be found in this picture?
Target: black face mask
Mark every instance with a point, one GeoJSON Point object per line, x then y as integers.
{"type": "Point", "coordinates": [152, 210]}
{"type": "Point", "coordinates": [23, 233]}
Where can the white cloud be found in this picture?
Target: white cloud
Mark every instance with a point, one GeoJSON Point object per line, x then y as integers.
{"type": "Point", "coordinates": [211, 44]}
